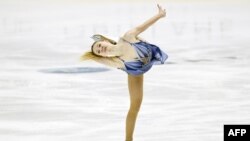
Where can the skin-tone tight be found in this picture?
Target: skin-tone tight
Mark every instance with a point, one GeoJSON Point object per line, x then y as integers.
{"type": "Point", "coordinates": [135, 85]}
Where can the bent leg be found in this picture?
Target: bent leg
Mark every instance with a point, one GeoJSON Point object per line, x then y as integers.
{"type": "Point", "coordinates": [135, 85]}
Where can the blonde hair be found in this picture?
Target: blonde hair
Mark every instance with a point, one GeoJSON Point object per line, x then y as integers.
{"type": "Point", "coordinates": [109, 61]}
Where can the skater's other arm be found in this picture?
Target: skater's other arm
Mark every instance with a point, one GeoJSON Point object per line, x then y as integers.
{"type": "Point", "coordinates": [139, 29]}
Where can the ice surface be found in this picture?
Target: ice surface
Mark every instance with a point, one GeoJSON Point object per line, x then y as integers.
{"type": "Point", "coordinates": [47, 94]}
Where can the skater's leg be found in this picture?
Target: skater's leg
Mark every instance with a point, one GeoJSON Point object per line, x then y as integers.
{"type": "Point", "coordinates": [135, 85]}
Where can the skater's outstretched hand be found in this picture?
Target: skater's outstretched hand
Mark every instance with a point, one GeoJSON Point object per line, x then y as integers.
{"type": "Point", "coordinates": [162, 12]}
{"type": "Point", "coordinates": [134, 32]}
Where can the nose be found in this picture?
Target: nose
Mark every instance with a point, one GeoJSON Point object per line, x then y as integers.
{"type": "Point", "coordinates": [103, 49]}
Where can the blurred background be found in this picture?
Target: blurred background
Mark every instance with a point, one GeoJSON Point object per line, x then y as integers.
{"type": "Point", "coordinates": [46, 93]}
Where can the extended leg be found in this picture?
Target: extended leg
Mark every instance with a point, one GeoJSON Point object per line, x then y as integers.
{"type": "Point", "coordinates": [135, 85]}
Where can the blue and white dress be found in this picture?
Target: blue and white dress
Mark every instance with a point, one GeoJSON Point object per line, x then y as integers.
{"type": "Point", "coordinates": [147, 54]}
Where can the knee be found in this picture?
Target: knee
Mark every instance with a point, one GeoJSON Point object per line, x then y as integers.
{"type": "Point", "coordinates": [135, 106]}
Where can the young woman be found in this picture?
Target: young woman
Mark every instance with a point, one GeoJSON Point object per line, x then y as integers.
{"type": "Point", "coordinates": [132, 55]}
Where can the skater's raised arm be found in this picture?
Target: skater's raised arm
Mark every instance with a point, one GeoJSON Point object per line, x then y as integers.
{"type": "Point", "coordinates": [139, 29]}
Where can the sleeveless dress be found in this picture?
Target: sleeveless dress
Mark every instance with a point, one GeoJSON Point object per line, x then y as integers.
{"type": "Point", "coordinates": [147, 56]}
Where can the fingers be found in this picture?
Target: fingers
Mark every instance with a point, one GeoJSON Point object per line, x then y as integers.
{"type": "Point", "coordinates": [159, 6]}
{"type": "Point", "coordinates": [161, 10]}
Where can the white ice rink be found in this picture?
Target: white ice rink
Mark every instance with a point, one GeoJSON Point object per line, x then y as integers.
{"type": "Point", "coordinates": [46, 94]}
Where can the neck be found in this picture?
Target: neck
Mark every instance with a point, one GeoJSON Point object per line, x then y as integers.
{"type": "Point", "coordinates": [116, 50]}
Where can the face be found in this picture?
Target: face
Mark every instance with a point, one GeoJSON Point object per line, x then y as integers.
{"type": "Point", "coordinates": [102, 48]}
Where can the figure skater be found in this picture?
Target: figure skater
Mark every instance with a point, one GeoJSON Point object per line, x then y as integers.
{"type": "Point", "coordinates": [133, 55]}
